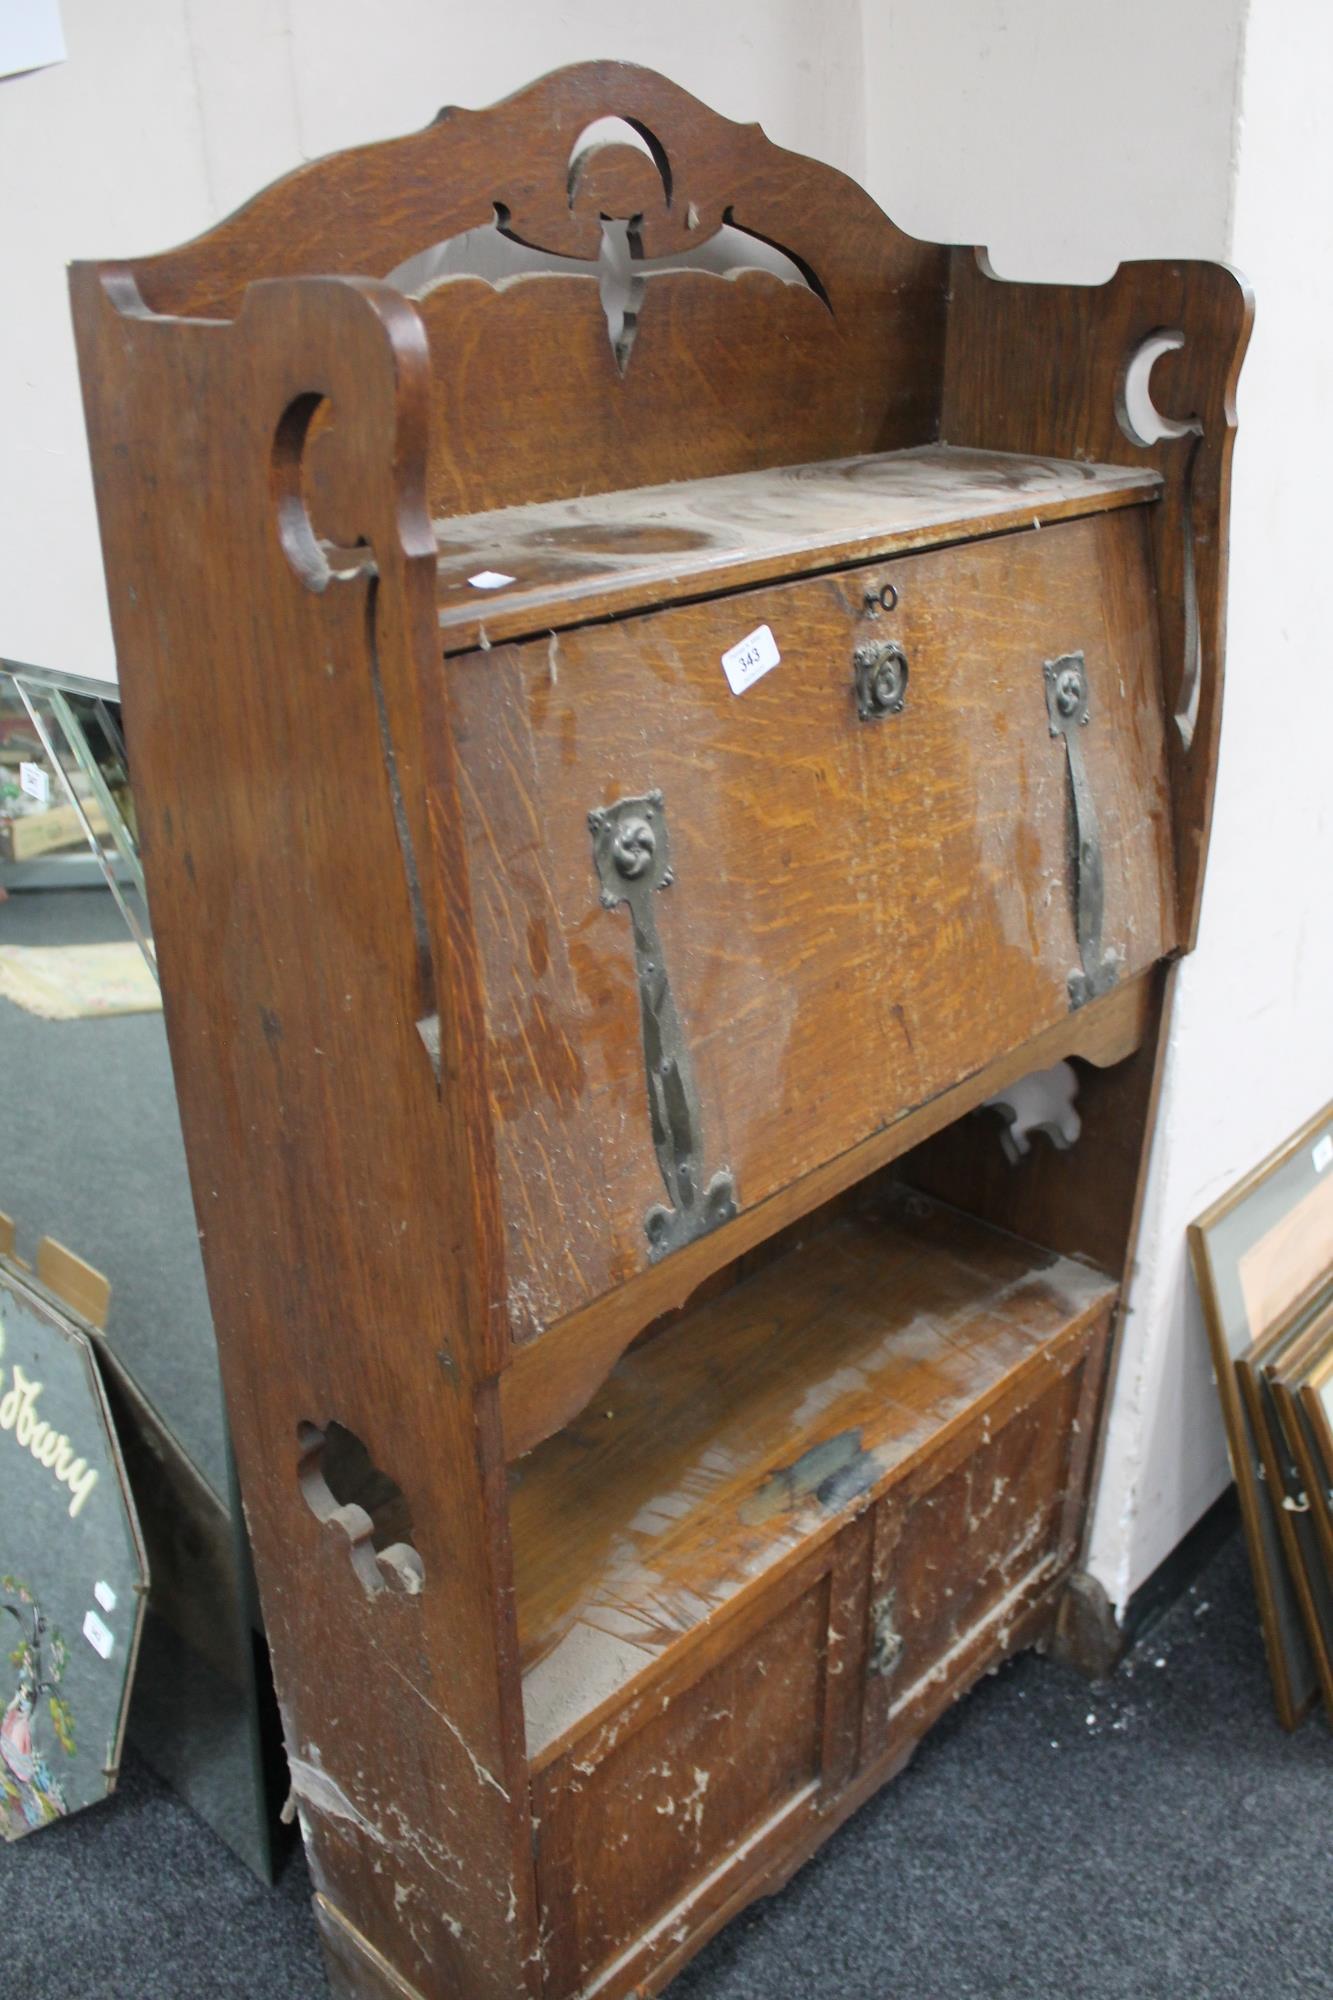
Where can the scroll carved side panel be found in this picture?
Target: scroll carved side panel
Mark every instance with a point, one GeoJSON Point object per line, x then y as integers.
{"type": "Point", "coordinates": [1139, 371]}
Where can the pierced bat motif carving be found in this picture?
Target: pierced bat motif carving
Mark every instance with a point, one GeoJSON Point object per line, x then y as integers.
{"type": "Point", "coordinates": [500, 256]}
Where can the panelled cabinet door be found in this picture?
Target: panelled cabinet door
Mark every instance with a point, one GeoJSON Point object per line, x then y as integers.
{"type": "Point", "coordinates": [652, 1817]}
{"type": "Point", "coordinates": [1001, 1497]}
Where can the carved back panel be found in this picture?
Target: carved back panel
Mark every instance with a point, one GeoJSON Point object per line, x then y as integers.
{"type": "Point", "coordinates": [543, 387]}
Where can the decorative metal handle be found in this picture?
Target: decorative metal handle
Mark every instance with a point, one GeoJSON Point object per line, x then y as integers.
{"type": "Point", "coordinates": [881, 679]}
{"type": "Point", "coordinates": [630, 848]}
{"type": "Point", "coordinates": [886, 1641]}
{"type": "Point", "coordinates": [1067, 707]}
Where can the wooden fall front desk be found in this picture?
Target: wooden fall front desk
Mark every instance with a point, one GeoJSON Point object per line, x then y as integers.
{"type": "Point", "coordinates": [630, 756]}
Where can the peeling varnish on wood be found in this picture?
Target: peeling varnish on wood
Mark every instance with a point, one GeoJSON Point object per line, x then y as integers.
{"type": "Point", "coordinates": [603, 552]}
{"type": "Point", "coordinates": [484, 1777]}
{"type": "Point", "coordinates": [999, 1619]}
{"type": "Point", "coordinates": [317, 1792]}
{"type": "Point", "coordinates": [313, 1786]}
{"type": "Point", "coordinates": [639, 1596]}
{"type": "Point", "coordinates": [677, 1918]}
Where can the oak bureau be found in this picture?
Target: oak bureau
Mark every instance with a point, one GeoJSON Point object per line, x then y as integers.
{"type": "Point", "coordinates": [654, 698]}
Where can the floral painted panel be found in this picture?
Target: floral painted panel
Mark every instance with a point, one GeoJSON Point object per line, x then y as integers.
{"type": "Point", "coordinates": [73, 1581]}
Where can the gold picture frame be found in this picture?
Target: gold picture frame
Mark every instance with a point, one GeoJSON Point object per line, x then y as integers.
{"type": "Point", "coordinates": [1281, 1350]}
{"type": "Point", "coordinates": [1302, 1388]}
{"type": "Point", "coordinates": [1263, 1260]}
{"type": "Point", "coordinates": [1316, 1393]}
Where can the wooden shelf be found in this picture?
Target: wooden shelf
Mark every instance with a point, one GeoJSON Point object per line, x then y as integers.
{"type": "Point", "coordinates": [746, 1433]}
{"type": "Point", "coordinates": [572, 561]}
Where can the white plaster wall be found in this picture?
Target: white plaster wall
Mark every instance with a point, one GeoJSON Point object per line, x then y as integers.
{"type": "Point", "coordinates": [1067, 135]}
{"type": "Point", "coordinates": [1063, 134]}
{"type": "Point", "coordinates": [1251, 1053]}
{"type": "Point", "coordinates": [169, 114]}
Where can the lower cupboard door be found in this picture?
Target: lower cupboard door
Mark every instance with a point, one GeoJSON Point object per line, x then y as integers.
{"type": "Point", "coordinates": [646, 1823]}
{"type": "Point", "coordinates": [963, 1551]}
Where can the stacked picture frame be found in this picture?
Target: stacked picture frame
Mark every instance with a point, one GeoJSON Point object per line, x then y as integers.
{"type": "Point", "coordinates": [1263, 1258]}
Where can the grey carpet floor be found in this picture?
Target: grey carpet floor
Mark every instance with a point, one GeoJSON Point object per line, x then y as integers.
{"type": "Point", "coordinates": [1155, 1835]}
{"type": "Point", "coordinates": [91, 1153]}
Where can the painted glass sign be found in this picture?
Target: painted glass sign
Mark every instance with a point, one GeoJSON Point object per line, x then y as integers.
{"type": "Point", "coordinates": [73, 1580]}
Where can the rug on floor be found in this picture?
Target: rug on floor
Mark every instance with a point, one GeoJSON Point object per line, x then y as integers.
{"type": "Point", "coordinates": [76, 982]}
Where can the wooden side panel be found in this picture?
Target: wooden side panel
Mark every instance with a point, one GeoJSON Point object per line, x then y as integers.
{"type": "Point", "coordinates": [344, 1195]}
{"type": "Point", "coordinates": [621, 1840]}
{"type": "Point", "coordinates": [1043, 368]}
{"type": "Point", "coordinates": [862, 913]}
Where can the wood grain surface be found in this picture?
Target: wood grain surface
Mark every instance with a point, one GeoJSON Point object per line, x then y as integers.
{"type": "Point", "coordinates": [1042, 368]}
{"type": "Point", "coordinates": [626, 1838]}
{"type": "Point", "coordinates": [549, 1381]}
{"type": "Point", "coordinates": [407, 1035]}
{"type": "Point", "coordinates": [570, 561]}
{"type": "Point", "coordinates": [743, 1435]}
{"type": "Point", "coordinates": [862, 913]}
{"type": "Point", "coordinates": [1003, 1497]}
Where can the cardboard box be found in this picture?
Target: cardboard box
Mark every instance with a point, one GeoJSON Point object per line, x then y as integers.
{"type": "Point", "coordinates": [28, 835]}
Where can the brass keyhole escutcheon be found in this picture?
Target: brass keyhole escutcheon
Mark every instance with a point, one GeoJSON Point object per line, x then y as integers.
{"type": "Point", "coordinates": [881, 679]}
